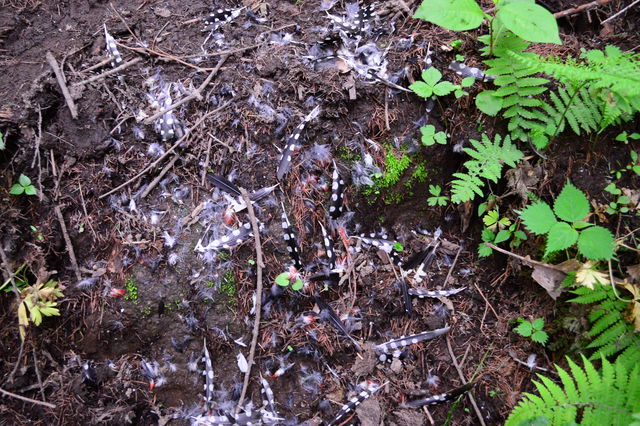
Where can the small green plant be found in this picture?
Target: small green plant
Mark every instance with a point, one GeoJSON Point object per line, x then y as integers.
{"type": "Point", "coordinates": [431, 137]}
{"type": "Point", "coordinates": [533, 329]}
{"type": "Point", "coordinates": [622, 203]}
{"type": "Point", "coordinates": [634, 166]}
{"type": "Point", "coordinates": [291, 278]}
{"type": "Point", "coordinates": [132, 290]}
{"type": "Point", "coordinates": [145, 310]}
{"type": "Point", "coordinates": [625, 137]}
{"type": "Point", "coordinates": [37, 232]}
{"type": "Point", "coordinates": [572, 208]}
{"type": "Point", "coordinates": [397, 246]}
{"type": "Point", "coordinates": [437, 199]}
{"type": "Point", "coordinates": [38, 301]}
{"type": "Point", "coordinates": [395, 165]}
{"type": "Point", "coordinates": [431, 84]}
{"type": "Point", "coordinates": [19, 278]}
{"type": "Point", "coordinates": [494, 393]}
{"type": "Point", "coordinates": [584, 396]}
{"type": "Point", "coordinates": [489, 157]}
{"type": "Point", "coordinates": [2, 144]}
{"type": "Point", "coordinates": [23, 186]}
{"type": "Point", "coordinates": [497, 230]}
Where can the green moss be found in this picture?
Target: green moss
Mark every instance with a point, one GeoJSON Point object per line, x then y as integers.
{"type": "Point", "coordinates": [228, 284]}
{"type": "Point", "coordinates": [395, 166]}
{"type": "Point", "coordinates": [132, 290]}
{"type": "Point", "coordinates": [146, 310]}
{"type": "Point", "coordinates": [347, 155]}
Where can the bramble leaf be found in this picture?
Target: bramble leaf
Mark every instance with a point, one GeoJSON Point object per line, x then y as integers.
{"type": "Point", "coordinates": [529, 21]}
{"type": "Point", "coordinates": [422, 89]}
{"type": "Point", "coordinates": [538, 323]}
{"type": "Point", "coordinates": [503, 235]}
{"type": "Point", "coordinates": [524, 329]}
{"type": "Point", "coordinates": [24, 180]}
{"type": "Point", "coordinates": [297, 285]}
{"type": "Point", "coordinates": [538, 218]}
{"type": "Point", "coordinates": [561, 236]}
{"type": "Point", "coordinates": [16, 189]}
{"type": "Point", "coordinates": [30, 190]}
{"type": "Point", "coordinates": [431, 76]}
{"type": "Point", "coordinates": [596, 243]}
{"type": "Point", "coordinates": [571, 205]}
{"type": "Point", "coordinates": [540, 337]}
{"type": "Point", "coordinates": [454, 15]}
{"type": "Point", "coordinates": [489, 103]}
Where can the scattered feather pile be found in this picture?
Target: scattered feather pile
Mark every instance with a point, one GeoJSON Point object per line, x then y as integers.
{"type": "Point", "coordinates": [293, 144]}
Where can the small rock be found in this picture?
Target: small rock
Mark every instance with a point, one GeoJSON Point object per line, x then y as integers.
{"type": "Point", "coordinates": [162, 12]}
{"type": "Point", "coordinates": [396, 365]}
{"type": "Point", "coordinates": [365, 365]}
{"type": "Point", "coordinates": [369, 412]}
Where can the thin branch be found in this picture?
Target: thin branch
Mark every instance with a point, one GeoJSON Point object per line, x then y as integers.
{"type": "Point", "coordinates": [621, 12]}
{"type": "Point", "coordinates": [24, 398]}
{"type": "Point", "coordinates": [169, 151]}
{"type": "Point", "coordinates": [581, 8]}
{"type": "Point", "coordinates": [67, 240]}
{"type": "Point", "coordinates": [63, 85]}
{"type": "Point", "coordinates": [256, 323]}
{"type": "Point", "coordinates": [196, 94]}
{"type": "Point", "coordinates": [464, 382]}
{"type": "Point", "coordinates": [107, 73]}
{"type": "Point", "coordinates": [158, 178]}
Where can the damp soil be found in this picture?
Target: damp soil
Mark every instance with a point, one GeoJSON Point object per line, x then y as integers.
{"type": "Point", "coordinates": [146, 295]}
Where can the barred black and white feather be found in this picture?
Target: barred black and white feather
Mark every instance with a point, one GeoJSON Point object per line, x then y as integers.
{"type": "Point", "coordinates": [269, 412]}
{"type": "Point", "coordinates": [230, 188]}
{"type": "Point", "coordinates": [112, 49]}
{"type": "Point", "coordinates": [406, 297]}
{"type": "Point", "coordinates": [381, 242]}
{"type": "Point", "coordinates": [467, 71]}
{"type": "Point", "coordinates": [422, 292]}
{"type": "Point", "coordinates": [337, 193]}
{"type": "Point", "coordinates": [365, 390]}
{"type": "Point", "coordinates": [237, 236]}
{"type": "Point", "coordinates": [219, 17]}
{"type": "Point", "coordinates": [328, 246]}
{"type": "Point", "coordinates": [224, 184]}
{"type": "Point", "coordinates": [402, 341]}
{"type": "Point", "coordinates": [209, 376]}
{"type": "Point", "coordinates": [293, 144]}
{"type": "Point", "coordinates": [290, 239]}
{"type": "Point", "coordinates": [438, 399]}
{"type": "Point", "coordinates": [329, 315]}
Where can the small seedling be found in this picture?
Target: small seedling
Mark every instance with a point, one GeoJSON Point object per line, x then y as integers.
{"type": "Point", "coordinates": [466, 82]}
{"type": "Point", "coordinates": [431, 84]}
{"type": "Point", "coordinates": [132, 290]}
{"type": "Point", "coordinates": [534, 330]}
{"type": "Point", "coordinates": [290, 278]}
{"type": "Point", "coordinates": [23, 186]}
{"type": "Point", "coordinates": [397, 246]}
{"type": "Point", "coordinates": [622, 204]}
{"type": "Point", "coordinates": [430, 136]}
{"type": "Point", "coordinates": [437, 198]}
{"type": "Point", "coordinates": [455, 44]}
{"type": "Point", "coordinates": [2, 144]}
{"type": "Point", "coordinates": [497, 230]}
{"type": "Point", "coordinates": [625, 137]}
{"type": "Point", "coordinates": [37, 232]}
{"type": "Point", "coordinates": [572, 208]}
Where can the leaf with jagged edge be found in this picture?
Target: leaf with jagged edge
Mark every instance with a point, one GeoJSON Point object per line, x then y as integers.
{"type": "Point", "coordinates": [596, 243]}
{"type": "Point", "coordinates": [538, 218]}
{"type": "Point", "coordinates": [571, 204]}
{"type": "Point", "coordinates": [454, 15]}
{"type": "Point", "coordinates": [561, 236]}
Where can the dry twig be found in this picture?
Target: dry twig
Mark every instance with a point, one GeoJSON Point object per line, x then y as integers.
{"type": "Point", "coordinates": [581, 8]}
{"type": "Point", "coordinates": [464, 382]}
{"type": "Point", "coordinates": [63, 85]}
{"type": "Point", "coordinates": [24, 398]}
{"type": "Point", "coordinates": [256, 323]}
{"type": "Point", "coordinates": [107, 73]}
{"type": "Point", "coordinates": [67, 240]}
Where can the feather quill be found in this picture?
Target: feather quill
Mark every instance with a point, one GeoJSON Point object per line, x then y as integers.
{"type": "Point", "coordinates": [208, 373]}
{"type": "Point", "coordinates": [366, 390]}
{"type": "Point", "coordinates": [438, 399]}
{"type": "Point", "coordinates": [328, 314]}
{"type": "Point", "coordinates": [328, 246]}
{"type": "Point", "coordinates": [422, 293]}
{"type": "Point", "coordinates": [337, 193]}
{"type": "Point", "coordinates": [402, 341]}
{"type": "Point", "coordinates": [290, 239]}
{"type": "Point", "coordinates": [293, 144]}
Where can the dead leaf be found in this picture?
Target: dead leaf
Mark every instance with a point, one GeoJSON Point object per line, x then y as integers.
{"type": "Point", "coordinates": [550, 278]}
{"type": "Point", "coordinates": [634, 273]}
{"type": "Point", "coordinates": [588, 277]}
{"type": "Point", "coordinates": [522, 178]}
{"type": "Point", "coordinates": [634, 312]}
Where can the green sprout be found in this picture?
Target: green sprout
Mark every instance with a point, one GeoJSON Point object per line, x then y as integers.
{"type": "Point", "coordinates": [23, 186]}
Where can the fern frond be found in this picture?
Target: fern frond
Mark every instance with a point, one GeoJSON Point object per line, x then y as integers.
{"type": "Point", "coordinates": [488, 159]}
{"type": "Point", "coordinates": [586, 395]}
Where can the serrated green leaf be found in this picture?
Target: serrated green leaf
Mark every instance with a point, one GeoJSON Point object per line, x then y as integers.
{"type": "Point", "coordinates": [36, 316]}
{"type": "Point", "coordinates": [431, 76]}
{"type": "Point", "coordinates": [283, 279]}
{"type": "Point", "coordinates": [455, 15]}
{"type": "Point", "coordinates": [468, 81]}
{"type": "Point", "coordinates": [503, 235]}
{"type": "Point", "coordinates": [443, 88]}
{"type": "Point", "coordinates": [489, 102]}
{"type": "Point", "coordinates": [441, 138]}
{"type": "Point", "coordinates": [422, 89]}
{"type": "Point", "coordinates": [484, 251]}
{"type": "Point", "coordinates": [538, 323]}
{"type": "Point", "coordinates": [24, 180]}
{"type": "Point", "coordinates": [571, 205]}
{"type": "Point", "coordinates": [530, 22]}
{"type": "Point", "coordinates": [524, 329]}
{"type": "Point", "coordinates": [16, 189]}
{"type": "Point", "coordinates": [561, 236]}
{"type": "Point", "coordinates": [538, 218]}
{"type": "Point", "coordinates": [596, 243]}
{"type": "Point", "coordinates": [540, 337]}
{"type": "Point", "coordinates": [30, 190]}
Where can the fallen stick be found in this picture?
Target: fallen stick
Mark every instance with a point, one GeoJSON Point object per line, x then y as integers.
{"type": "Point", "coordinates": [163, 156]}
{"type": "Point", "coordinates": [24, 398]}
{"type": "Point", "coordinates": [196, 94]}
{"type": "Point", "coordinates": [256, 322]}
{"type": "Point", "coordinates": [63, 85]}
{"type": "Point", "coordinates": [158, 178]}
{"type": "Point", "coordinates": [581, 8]}
{"type": "Point", "coordinates": [107, 73]}
{"type": "Point", "coordinates": [621, 12]}
{"type": "Point", "coordinates": [67, 240]}
{"type": "Point", "coordinates": [464, 382]}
